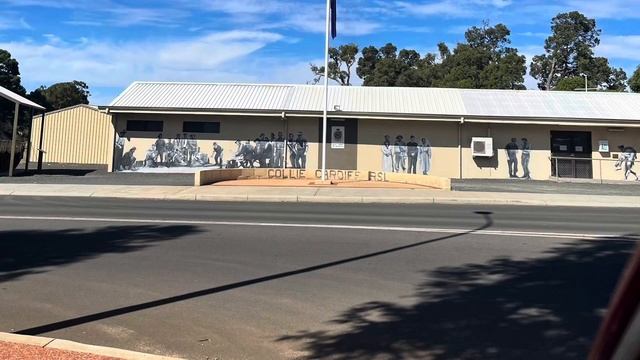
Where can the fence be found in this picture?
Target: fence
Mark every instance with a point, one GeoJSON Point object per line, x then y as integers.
{"type": "Point", "coordinates": [600, 170]}
{"type": "Point", "coordinates": [5, 153]}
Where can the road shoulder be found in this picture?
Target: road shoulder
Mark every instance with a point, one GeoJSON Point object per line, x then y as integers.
{"type": "Point", "coordinates": [319, 195]}
{"type": "Point", "coordinates": [26, 344]}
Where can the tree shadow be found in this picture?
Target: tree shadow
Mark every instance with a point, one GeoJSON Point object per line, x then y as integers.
{"type": "Point", "coordinates": [26, 252]}
{"type": "Point", "coordinates": [63, 324]}
{"type": "Point", "coordinates": [542, 308]}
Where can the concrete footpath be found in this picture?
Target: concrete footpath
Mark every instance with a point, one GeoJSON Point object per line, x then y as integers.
{"type": "Point", "coordinates": [318, 195]}
{"type": "Point", "coordinates": [13, 346]}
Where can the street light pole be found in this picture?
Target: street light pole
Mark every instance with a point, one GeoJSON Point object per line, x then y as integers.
{"type": "Point", "coordinates": [586, 82]}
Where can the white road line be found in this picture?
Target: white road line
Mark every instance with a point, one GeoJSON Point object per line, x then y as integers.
{"type": "Point", "coordinates": [325, 226]}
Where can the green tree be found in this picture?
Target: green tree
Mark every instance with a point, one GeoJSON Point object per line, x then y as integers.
{"type": "Point", "coordinates": [569, 54]}
{"type": "Point", "coordinates": [10, 73]}
{"type": "Point", "coordinates": [484, 61]}
{"type": "Point", "coordinates": [341, 61]}
{"type": "Point", "coordinates": [571, 83]}
{"type": "Point", "coordinates": [62, 95]}
{"type": "Point", "coordinates": [388, 67]}
{"type": "Point", "coordinates": [634, 81]}
{"type": "Point", "coordinates": [9, 79]}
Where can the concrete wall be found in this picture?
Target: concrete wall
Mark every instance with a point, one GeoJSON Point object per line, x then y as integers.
{"type": "Point", "coordinates": [77, 135]}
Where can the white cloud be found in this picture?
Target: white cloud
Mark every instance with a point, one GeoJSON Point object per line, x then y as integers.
{"type": "Point", "coordinates": [114, 64]}
{"type": "Point", "coordinates": [620, 47]}
{"type": "Point", "coordinates": [610, 9]}
{"type": "Point", "coordinates": [450, 8]}
{"type": "Point", "coordinates": [447, 8]}
{"type": "Point", "coordinates": [10, 21]}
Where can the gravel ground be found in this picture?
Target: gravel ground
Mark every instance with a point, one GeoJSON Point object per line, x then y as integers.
{"type": "Point", "coordinates": [13, 351]}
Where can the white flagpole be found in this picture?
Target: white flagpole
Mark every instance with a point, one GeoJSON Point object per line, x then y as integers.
{"type": "Point", "coordinates": [326, 92]}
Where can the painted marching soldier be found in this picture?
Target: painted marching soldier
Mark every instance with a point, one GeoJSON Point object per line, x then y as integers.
{"type": "Point", "coordinates": [291, 146]}
{"type": "Point", "coordinates": [525, 157]}
{"type": "Point", "coordinates": [626, 160]}
{"type": "Point", "coordinates": [512, 157]}
{"type": "Point", "coordinates": [387, 155]}
{"type": "Point", "coordinates": [279, 150]}
{"type": "Point", "coordinates": [412, 153]}
{"type": "Point", "coordinates": [399, 151]}
{"type": "Point", "coordinates": [119, 150]}
{"type": "Point", "coordinates": [424, 154]}
{"type": "Point", "coordinates": [301, 151]}
{"type": "Point", "coordinates": [160, 149]}
{"type": "Point", "coordinates": [192, 148]}
{"type": "Point", "coordinates": [217, 154]}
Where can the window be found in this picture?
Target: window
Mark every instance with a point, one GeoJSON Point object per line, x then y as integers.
{"type": "Point", "coordinates": [144, 125]}
{"type": "Point", "coordinates": [201, 127]}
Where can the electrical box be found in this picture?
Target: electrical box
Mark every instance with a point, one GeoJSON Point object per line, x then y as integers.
{"type": "Point", "coordinates": [482, 146]}
{"type": "Point", "coordinates": [603, 146]}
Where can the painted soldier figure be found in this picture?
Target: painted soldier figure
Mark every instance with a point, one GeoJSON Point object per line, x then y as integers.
{"type": "Point", "coordinates": [512, 157]}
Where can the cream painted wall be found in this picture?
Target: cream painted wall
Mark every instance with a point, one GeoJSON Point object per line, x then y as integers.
{"type": "Point", "coordinates": [232, 128]}
{"type": "Point", "coordinates": [497, 167]}
{"type": "Point", "coordinates": [443, 137]}
{"type": "Point", "coordinates": [605, 165]}
{"type": "Point", "coordinates": [446, 160]}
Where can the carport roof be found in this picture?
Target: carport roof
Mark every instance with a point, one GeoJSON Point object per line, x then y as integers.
{"type": "Point", "coordinates": [15, 98]}
{"type": "Point", "coordinates": [393, 102]}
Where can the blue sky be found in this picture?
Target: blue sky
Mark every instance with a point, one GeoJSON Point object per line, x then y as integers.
{"type": "Point", "coordinates": [110, 43]}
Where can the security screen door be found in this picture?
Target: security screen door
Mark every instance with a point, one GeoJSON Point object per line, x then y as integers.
{"type": "Point", "coordinates": [571, 154]}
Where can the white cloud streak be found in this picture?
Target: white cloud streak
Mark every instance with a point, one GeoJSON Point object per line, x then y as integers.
{"type": "Point", "coordinates": [113, 64]}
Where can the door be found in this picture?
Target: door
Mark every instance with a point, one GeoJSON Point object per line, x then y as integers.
{"type": "Point", "coordinates": [342, 144]}
{"type": "Point", "coordinates": [571, 154]}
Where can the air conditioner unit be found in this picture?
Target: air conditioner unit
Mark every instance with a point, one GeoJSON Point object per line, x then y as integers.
{"type": "Point", "coordinates": [482, 146]}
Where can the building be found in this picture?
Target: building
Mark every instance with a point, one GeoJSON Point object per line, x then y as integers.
{"type": "Point", "coordinates": [79, 134]}
{"type": "Point", "coordinates": [455, 133]}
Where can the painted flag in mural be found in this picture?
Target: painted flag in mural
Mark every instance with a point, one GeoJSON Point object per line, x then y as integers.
{"type": "Point", "coordinates": [334, 15]}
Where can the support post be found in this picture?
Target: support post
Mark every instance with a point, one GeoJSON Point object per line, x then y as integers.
{"type": "Point", "coordinates": [26, 164]}
{"type": "Point", "coordinates": [40, 144]}
{"type": "Point", "coordinates": [13, 139]}
{"type": "Point", "coordinates": [326, 91]}
{"type": "Point", "coordinates": [460, 147]}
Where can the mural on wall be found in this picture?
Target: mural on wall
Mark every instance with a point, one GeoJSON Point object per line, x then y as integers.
{"type": "Point", "coordinates": [412, 157]}
{"type": "Point", "coordinates": [512, 149]}
{"type": "Point", "coordinates": [183, 151]}
{"type": "Point", "coordinates": [626, 160]}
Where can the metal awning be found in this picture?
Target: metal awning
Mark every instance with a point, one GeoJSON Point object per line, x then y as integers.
{"type": "Point", "coordinates": [17, 100]}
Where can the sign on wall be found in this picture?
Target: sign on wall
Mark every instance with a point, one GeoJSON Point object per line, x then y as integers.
{"type": "Point", "coordinates": [337, 137]}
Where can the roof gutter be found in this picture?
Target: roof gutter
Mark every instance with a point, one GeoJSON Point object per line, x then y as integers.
{"type": "Point", "coordinates": [380, 116]}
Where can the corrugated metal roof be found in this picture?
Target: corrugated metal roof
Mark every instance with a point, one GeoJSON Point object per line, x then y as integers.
{"type": "Point", "coordinates": [11, 96]}
{"type": "Point", "coordinates": [552, 104]}
{"type": "Point", "coordinates": [380, 101]}
{"type": "Point", "coordinates": [203, 96]}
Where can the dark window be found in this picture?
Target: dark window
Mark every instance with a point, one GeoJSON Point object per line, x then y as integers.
{"type": "Point", "coordinates": [144, 125]}
{"type": "Point", "coordinates": [201, 127]}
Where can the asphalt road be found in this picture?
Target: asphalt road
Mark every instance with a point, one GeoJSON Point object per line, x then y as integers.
{"type": "Point", "coordinates": [272, 281]}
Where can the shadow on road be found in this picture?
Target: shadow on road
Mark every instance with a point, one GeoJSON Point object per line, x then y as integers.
{"type": "Point", "coordinates": [543, 308]}
{"type": "Point", "coordinates": [25, 252]}
{"type": "Point", "coordinates": [488, 222]}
